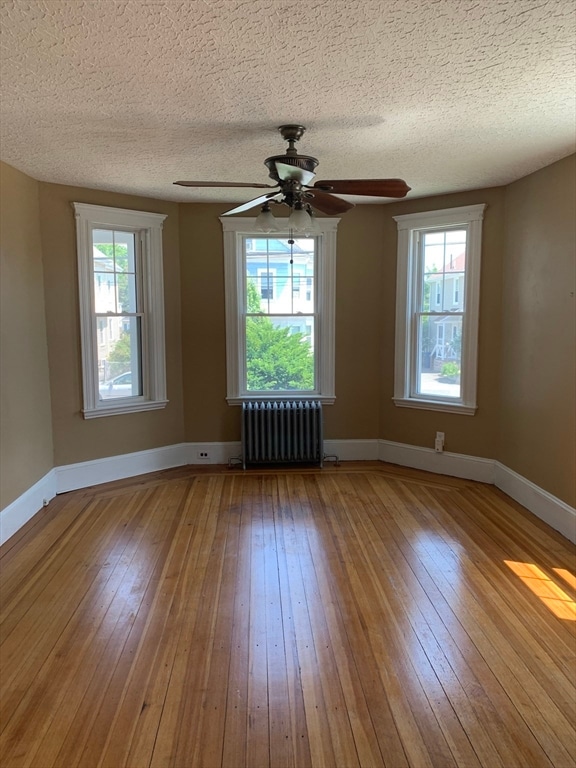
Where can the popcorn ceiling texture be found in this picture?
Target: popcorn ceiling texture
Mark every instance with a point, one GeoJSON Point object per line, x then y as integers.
{"type": "Point", "coordinates": [130, 95]}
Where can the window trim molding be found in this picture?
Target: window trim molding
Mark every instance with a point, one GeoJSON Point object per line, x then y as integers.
{"type": "Point", "coordinates": [408, 224]}
{"type": "Point", "coordinates": [148, 228]}
{"type": "Point", "coordinates": [233, 231]}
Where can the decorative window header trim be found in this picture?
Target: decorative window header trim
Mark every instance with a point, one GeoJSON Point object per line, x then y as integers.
{"type": "Point", "coordinates": [448, 217]}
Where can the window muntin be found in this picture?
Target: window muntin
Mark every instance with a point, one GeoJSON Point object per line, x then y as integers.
{"type": "Point", "coordinates": [300, 305]}
{"type": "Point", "coordinates": [121, 310]}
{"type": "Point", "coordinates": [438, 279]}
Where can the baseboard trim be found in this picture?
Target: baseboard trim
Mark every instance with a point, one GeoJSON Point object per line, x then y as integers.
{"type": "Point", "coordinates": [552, 510]}
{"type": "Point", "coordinates": [445, 463]}
{"type": "Point", "coordinates": [22, 509]}
{"type": "Point", "coordinates": [352, 450]}
{"type": "Point", "coordinates": [544, 505]}
{"type": "Point", "coordinates": [86, 473]}
{"type": "Point", "coordinates": [71, 477]}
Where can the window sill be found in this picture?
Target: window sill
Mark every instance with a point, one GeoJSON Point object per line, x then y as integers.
{"type": "Point", "coordinates": [123, 408]}
{"type": "Point", "coordinates": [435, 405]}
{"type": "Point", "coordinates": [324, 399]}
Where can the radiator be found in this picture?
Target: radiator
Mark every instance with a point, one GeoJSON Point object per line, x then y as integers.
{"type": "Point", "coordinates": [281, 431]}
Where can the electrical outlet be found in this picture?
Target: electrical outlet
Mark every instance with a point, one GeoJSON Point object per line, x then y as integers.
{"type": "Point", "coordinates": [439, 442]}
{"type": "Point", "coordinates": [203, 455]}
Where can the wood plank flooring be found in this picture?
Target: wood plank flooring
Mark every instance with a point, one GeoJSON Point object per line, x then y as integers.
{"type": "Point", "coordinates": [364, 615]}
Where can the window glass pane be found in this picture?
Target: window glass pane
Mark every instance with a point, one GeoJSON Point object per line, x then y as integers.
{"type": "Point", "coordinates": [282, 274]}
{"type": "Point", "coordinates": [434, 238]}
{"type": "Point", "coordinates": [280, 354]}
{"type": "Point", "coordinates": [303, 294]}
{"type": "Point", "coordinates": [456, 236]}
{"type": "Point", "coordinates": [119, 359]}
{"type": "Point", "coordinates": [439, 355]}
{"type": "Point", "coordinates": [443, 271]}
{"type": "Point", "coordinates": [114, 265]}
{"type": "Point", "coordinates": [268, 289]}
{"type": "Point", "coordinates": [253, 296]}
{"type": "Point", "coordinates": [104, 287]}
{"type": "Point", "coordinates": [433, 257]}
{"type": "Point", "coordinates": [126, 292]}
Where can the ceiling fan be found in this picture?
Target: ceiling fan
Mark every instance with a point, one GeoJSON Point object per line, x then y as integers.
{"type": "Point", "coordinates": [293, 174]}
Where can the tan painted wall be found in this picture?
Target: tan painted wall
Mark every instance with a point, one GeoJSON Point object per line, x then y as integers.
{"type": "Point", "coordinates": [538, 388]}
{"type": "Point", "coordinates": [207, 415]}
{"type": "Point", "coordinates": [525, 398]}
{"type": "Point", "coordinates": [26, 451]}
{"type": "Point", "coordinates": [360, 271]}
{"type": "Point", "coordinates": [358, 310]}
{"type": "Point", "coordinates": [472, 435]}
{"type": "Point", "coordinates": [77, 439]}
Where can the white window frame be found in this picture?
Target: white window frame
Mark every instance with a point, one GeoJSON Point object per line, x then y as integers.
{"type": "Point", "coordinates": [147, 228]}
{"type": "Point", "coordinates": [234, 229]}
{"type": "Point", "coordinates": [407, 285]}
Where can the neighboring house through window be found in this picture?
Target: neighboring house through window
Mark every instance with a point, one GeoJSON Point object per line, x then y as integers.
{"type": "Point", "coordinates": [436, 340]}
{"type": "Point", "coordinates": [266, 283]}
{"type": "Point", "coordinates": [279, 338]}
{"type": "Point", "coordinates": [121, 309]}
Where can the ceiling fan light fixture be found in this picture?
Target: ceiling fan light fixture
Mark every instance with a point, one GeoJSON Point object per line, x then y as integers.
{"type": "Point", "coordinates": [265, 221]}
{"type": "Point", "coordinates": [313, 228]}
{"type": "Point", "coordinates": [299, 219]}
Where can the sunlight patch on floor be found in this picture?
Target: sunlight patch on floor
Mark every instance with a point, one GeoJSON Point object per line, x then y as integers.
{"type": "Point", "coordinates": [548, 591]}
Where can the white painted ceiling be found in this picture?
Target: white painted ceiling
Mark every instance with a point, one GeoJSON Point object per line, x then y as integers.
{"type": "Point", "coordinates": [131, 95]}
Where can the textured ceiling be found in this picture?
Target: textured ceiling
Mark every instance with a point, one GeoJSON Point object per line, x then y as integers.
{"type": "Point", "coordinates": [130, 95]}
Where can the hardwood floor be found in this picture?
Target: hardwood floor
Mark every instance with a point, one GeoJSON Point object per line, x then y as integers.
{"type": "Point", "coordinates": [364, 615]}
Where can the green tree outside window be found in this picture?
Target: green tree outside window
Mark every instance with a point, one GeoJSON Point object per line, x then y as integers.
{"type": "Point", "coordinates": [276, 359]}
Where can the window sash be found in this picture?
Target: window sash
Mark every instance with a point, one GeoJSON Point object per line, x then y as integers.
{"type": "Point", "coordinates": [419, 311]}
{"type": "Point", "coordinates": [107, 389]}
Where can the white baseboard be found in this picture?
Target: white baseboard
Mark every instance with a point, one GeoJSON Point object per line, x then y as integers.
{"type": "Point", "coordinates": [22, 509]}
{"type": "Point", "coordinates": [86, 473]}
{"type": "Point", "coordinates": [445, 463]}
{"type": "Point", "coordinates": [352, 450]}
{"type": "Point", "coordinates": [548, 508]}
{"type": "Point", "coordinates": [552, 510]}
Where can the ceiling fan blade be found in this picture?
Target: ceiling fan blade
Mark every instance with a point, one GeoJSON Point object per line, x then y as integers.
{"type": "Point", "coordinates": [251, 203]}
{"type": "Point", "coordinates": [286, 172]}
{"type": "Point", "coordinates": [223, 184]}
{"type": "Point", "coordinates": [370, 187]}
{"type": "Point", "coordinates": [329, 204]}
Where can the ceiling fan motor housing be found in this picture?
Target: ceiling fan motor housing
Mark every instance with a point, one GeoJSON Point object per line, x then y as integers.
{"type": "Point", "coordinates": [291, 133]}
{"type": "Point", "coordinates": [305, 162]}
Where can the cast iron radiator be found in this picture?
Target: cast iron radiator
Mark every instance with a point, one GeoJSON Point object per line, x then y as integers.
{"type": "Point", "coordinates": [276, 431]}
